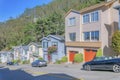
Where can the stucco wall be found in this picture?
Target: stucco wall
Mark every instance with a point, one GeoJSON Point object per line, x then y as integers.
{"type": "Point", "coordinates": [72, 29]}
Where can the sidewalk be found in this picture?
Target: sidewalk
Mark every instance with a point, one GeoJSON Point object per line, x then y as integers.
{"type": "Point", "coordinates": [67, 65]}
{"type": "Point", "coordinates": [2, 65]}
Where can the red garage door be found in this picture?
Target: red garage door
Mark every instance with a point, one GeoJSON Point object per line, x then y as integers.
{"type": "Point", "coordinates": [71, 55]}
{"type": "Point", "coordinates": [89, 54]}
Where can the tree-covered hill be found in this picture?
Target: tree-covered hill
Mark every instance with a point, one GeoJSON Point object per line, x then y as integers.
{"type": "Point", "coordinates": [38, 22]}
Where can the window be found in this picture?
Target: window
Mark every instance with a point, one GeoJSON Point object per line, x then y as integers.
{"type": "Point", "coordinates": [72, 21]}
{"type": "Point", "coordinates": [91, 36]}
{"type": "Point", "coordinates": [72, 36]}
{"type": "Point", "coordinates": [86, 36]}
{"type": "Point", "coordinates": [94, 16]}
{"type": "Point", "coordinates": [45, 44]}
{"type": "Point", "coordinates": [86, 18]}
{"type": "Point", "coordinates": [54, 44]}
{"type": "Point", "coordinates": [31, 49]}
{"type": "Point", "coordinates": [91, 17]}
{"type": "Point", "coordinates": [95, 35]}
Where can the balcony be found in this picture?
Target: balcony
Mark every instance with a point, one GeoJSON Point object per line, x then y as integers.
{"type": "Point", "coordinates": [84, 44]}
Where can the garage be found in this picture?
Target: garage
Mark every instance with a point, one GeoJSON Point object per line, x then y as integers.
{"type": "Point", "coordinates": [89, 54]}
{"type": "Point", "coordinates": [71, 55]}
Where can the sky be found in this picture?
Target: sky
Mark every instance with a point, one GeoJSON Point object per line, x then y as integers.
{"type": "Point", "coordinates": [13, 8]}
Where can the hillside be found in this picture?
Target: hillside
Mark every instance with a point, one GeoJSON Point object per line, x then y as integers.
{"type": "Point", "coordinates": [39, 21]}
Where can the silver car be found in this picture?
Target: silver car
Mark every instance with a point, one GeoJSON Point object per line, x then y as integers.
{"type": "Point", "coordinates": [39, 63]}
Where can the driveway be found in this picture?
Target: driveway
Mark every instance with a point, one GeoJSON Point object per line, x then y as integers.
{"type": "Point", "coordinates": [65, 72]}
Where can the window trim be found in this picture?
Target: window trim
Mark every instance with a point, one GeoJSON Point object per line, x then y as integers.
{"type": "Point", "coordinates": [72, 36]}
{"type": "Point", "coordinates": [45, 45]}
{"type": "Point", "coordinates": [90, 17]}
{"type": "Point", "coordinates": [83, 18]}
{"type": "Point", "coordinates": [69, 21]}
{"type": "Point", "coordinates": [53, 42]}
{"type": "Point", "coordinates": [90, 36]}
{"type": "Point", "coordinates": [84, 36]}
{"type": "Point", "coordinates": [97, 16]}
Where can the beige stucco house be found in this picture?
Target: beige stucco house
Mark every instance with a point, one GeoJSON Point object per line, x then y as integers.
{"type": "Point", "coordinates": [35, 51]}
{"type": "Point", "coordinates": [90, 29]}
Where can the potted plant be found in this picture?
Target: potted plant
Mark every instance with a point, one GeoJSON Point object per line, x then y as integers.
{"type": "Point", "coordinates": [52, 49]}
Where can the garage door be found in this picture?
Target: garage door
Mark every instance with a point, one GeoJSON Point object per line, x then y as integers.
{"type": "Point", "coordinates": [71, 55]}
{"type": "Point", "coordinates": [89, 54]}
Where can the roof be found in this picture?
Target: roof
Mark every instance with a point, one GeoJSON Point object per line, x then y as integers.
{"type": "Point", "coordinates": [14, 47]}
{"type": "Point", "coordinates": [72, 10]}
{"type": "Point", "coordinates": [91, 7]}
{"type": "Point", "coordinates": [35, 43]}
{"type": "Point", "coordinates": [25, 47]}
{"type": "Point", "coordinates": [1, 52]}
{"type": "Point", "coordinates": [97, 6]}
{"type": "Point", "coordinates": [58, 37]}
{"type": "Point", "coordinates": [45, 38]}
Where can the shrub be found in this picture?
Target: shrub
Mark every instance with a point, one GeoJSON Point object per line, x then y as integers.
{"type": "Point", "coordinates": [16, 61]}
{"type": "Point", "coordinates": [26, 62]}
{"type": "Point", "coordinates": [58, 62]}
{"type": "Point", "coordinates": [40, 58]}
{"type": "Point", "coordinates": [64, 59]}
{"type": "Point", "coordinates": [78, 58]}
{"type": "Point", "coordinates": [99, 53]}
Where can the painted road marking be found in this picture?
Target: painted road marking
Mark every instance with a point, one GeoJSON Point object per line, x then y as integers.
{"type": "Point", "coordinates": [36, 73]}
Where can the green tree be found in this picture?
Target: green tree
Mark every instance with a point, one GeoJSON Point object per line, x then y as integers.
{"type": "Point", "coordinates": [116, 42]}
{"type": "Point", "coordinates": [29, 33]}
{"type": "Point", "coordinates": [50, 20]}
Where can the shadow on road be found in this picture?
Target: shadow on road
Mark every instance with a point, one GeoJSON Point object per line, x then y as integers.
{"type": "Point", "coordinates": [19, 74]}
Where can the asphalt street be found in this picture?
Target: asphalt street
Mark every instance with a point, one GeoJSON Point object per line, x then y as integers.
{"type": "Point", "coordinates": [54, 72]}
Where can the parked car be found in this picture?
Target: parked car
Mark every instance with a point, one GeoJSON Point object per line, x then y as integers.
{"type": "Point", "coordinates": [12, 63]}
{"type": "Point", "coordinates": [39, 63]}
{"type": "Point", "coordinates": [103, 63]}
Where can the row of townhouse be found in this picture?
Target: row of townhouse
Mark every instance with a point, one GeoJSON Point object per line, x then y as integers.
{"type": "Point", "coordinates": [6, 56]}
{"type": "Point", "coordinates": [86, 31]}
{"type": "Point", "coordinates": [30, 52]}
{"type": "Point", "coordinates": [33, 50]}
{"type": "Point", "coordinates": [91, 29]}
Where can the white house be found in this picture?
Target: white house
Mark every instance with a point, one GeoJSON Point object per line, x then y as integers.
{"type": "Point", "coordinates": [35, 51]}
{"type": "Point", "coordinates": [21, 53]}
{"type": "Point", "coordinates": [6, 56]}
